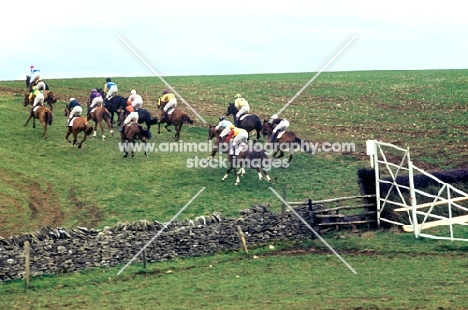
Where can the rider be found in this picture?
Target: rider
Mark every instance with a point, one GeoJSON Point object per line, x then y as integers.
{"type": "Point", "coordinates": [38, 99]}
{"type": "Point", "coordinates": [95, 99]}
{"type": "Point", "coordinates": [242, 107]}
{"type": "Point", "coordinates": [279, 124]}
{"type": "Point", "coordinates": [33, 74]}
{"type": "Point", "coordinates": [74, 107]}
{"type": "Point", "coordinates": [37, 84]}
{"type": "Point", "coordinates": [225, 124]}
{"type": "Point", "coordinates": [135, 100]}
{"type": "Point", "coordinates": [239, 134]}
{"type": "Point", "coordinates": [110, 88]}
{"type": "Point", "coordinates": [131, 118]}
{"type": "Point", "coordinates": [170, 100]}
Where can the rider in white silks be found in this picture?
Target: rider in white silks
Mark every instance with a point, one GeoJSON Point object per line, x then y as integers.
{"type": "Point", "coordinates": [34, 74]}
{"type": "Point", "coordinates": [170, 100]}
{"type": "Point", "coordinates": [224, 123]}
{"type": "Point", "coordinates": [95, 99]}
{"type": "Point", "coordinates": [74, 107]}
{"type": "Point", "coordinates": [240, 135]}
{"type": "Point", "coordinates": [132, 117]}
{"type": "Point", "coordinates": [281, 125]}
{"type": "Point", "coordinates": [110, 88]}
{"type": "Point", "coordinates": [135, 100]}
{"type": "Point", "coordinates": [242, 107]}
{"type": "Point", "coordinates": [38, 99]}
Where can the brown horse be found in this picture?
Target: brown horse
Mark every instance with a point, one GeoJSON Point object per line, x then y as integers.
{"type": "Point", "coordinates": [49, 98]}
{"type": "Point", "coordinates": [177, 118]}
{"type": "Point", "coordinates": [252, 158]}
{"type": "Point", "coordinates": [287, 141]}
{"type": "Point", "coordinates": [98, 115]}
{"type": "Point", "coordinates": [44, 115]}
{"type": "Point", "coordinates": [80, 124]}
{"type": "Point", "coordinates": [129, 136]}
{"type": "Point", "coordinates": [250, 122]}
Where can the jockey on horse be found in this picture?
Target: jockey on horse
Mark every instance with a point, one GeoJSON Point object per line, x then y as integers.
{"type": "Point", "coordinates": [135, 100]}
{"type": "Point", "coordinates": [110, 88]}
{"type": "Point", "coordinates": [279, 125]}
{"type": "Point", "coordinates": [225, 124]}
{"type": "Point", "coordinates": [38, 99]}
{"type": "Point", "coordinates": [171, 103]}
{"type": "Point", "coordinates": [95, 99]}
{"type": "Point", "coordinates": [242, 107]}
{"type": "Point", "coordinates": [74, 108]}
{"type": "Point", "coordinates": [132, 117]}
{"type": "Point", "coordinates": [240, 135]}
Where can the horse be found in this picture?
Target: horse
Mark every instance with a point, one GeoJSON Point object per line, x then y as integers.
{"type": "Point", "coordinates": [130, 134]}
{"type": "Point", "coordinates": [213, 133]}
{"type": "Point", "coordinates": [177, 118]}
{"type": "Point", "coordinates": [288, 140]}
{"type": "Point", "coordinates": [252, 158]}
{"type": "Point", "coordinates": [98, 115]}
{"type": "Point", "coordinates": [249, 122]}
{"type": "Point", "coordinates": [114, 105]}
{"type": "Point", "coordinates": [49, 98]}
{"type": "Point", "coordinates": [143, 117]}
{"type": "Point", "coordinates": [80, 124]}
{"type": "Point", "coordinates": [45, 117]}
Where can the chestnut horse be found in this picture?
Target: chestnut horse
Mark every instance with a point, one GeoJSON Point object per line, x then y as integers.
{"type": "Point", "coordinates": [80, 124]}
{"type": "Point", "coordinates": [177, 118]}
{"type": "Point", "coordinates": [287, 141]}
{"type": "Point", "coordinates": [44, 115]}
{"type": "Point", "coordinates": [98, 115]}
{"type": "Point", "coordinates": [213, 133]}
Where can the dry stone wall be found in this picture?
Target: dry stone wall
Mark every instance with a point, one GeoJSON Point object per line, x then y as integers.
{"type": "Point", "coordinates": [58, 250]}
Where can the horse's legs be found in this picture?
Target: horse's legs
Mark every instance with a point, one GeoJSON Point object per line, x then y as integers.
{"type": "Point", "coordinates": [159, 127]}
{"type": "Point", "coordinates": [44, 126]}
{"type": "Point", "coordinates": [84, 139]}
{"type": "Point", "coordinates": [169, 130]}
{"type": "Point", "coordinates": [102, 129]}
{"type": "Point", "coordinates": [68, 134]}
{"type": "Point", "coordinates": [27, 121]}
{"type": "Point", "coordinates": [177, 135]}
{"type": "Point", "coordinates": [95, 128]}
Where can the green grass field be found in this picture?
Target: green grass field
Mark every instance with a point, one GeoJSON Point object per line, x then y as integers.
{"type": "Point", "coordinates": [45, 182]}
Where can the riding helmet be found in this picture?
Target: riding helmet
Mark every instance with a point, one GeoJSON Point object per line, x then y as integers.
{"type": "Point", "coordinates": [166, 91]}
{"type": "Point", "coordinates": [108, 80]}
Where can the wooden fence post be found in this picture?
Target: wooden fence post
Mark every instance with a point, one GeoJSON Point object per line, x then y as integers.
{"type": "Point", "coordinates": [26, 263]}
{"type": "Point", "coordinates": [242, 237]}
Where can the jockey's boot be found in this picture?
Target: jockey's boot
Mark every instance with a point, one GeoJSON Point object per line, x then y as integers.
{"type": "Point", "coordinates": [273, 137]}
{"type": "Point", "coordinates": [166, 116]}
{"type": "Point", "coordinates": [122, 129]}
{"type": "Point", "coordinates": [236, 121]}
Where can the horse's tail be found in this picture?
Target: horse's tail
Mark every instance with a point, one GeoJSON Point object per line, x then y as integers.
{"type": "Point", "coordinates": [106, 115]}
{"type": "Point", "coordinates": [258, 124]}
{"type": "Point", "coordinates": [49, 118]}
{"type": "Point", "coordinates": [303, 144]}
{"type": "Point", "coordinates": [89, 129]}
{"type": "Point", "coordinates": [186, 119]}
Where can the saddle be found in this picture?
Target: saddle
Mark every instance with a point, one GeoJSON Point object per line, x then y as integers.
{"type": "Point", "coordinates": [243, 116]}
{"type": "Point", "coordinates": [280, 133]}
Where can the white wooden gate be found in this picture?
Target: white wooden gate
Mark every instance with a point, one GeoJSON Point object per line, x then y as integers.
{"type": "Point", "coordinates": [424, 216]}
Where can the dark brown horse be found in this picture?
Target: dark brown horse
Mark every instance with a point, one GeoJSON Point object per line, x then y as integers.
{"type": "Point", "coordinates": [80, 124]}
{"type": "Point", "coordinates": [99, 115]}
{"type": "Point", "coordinates": [129, 136]}
{"type": "Point", "coordinates": [143, 117]}
{"type": "Point", "coordinates": [177, 118]}
{"type": "Point", "coordinates": [213, 133]}
{"type": "Point", "coordinates": [287, 141]}
{"type": "Point", "coordinates": [252, 158]}
{"type": "Point", "coordinates": [250, 122]}
{"type": "Point", "coordinates": [45, 117]}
